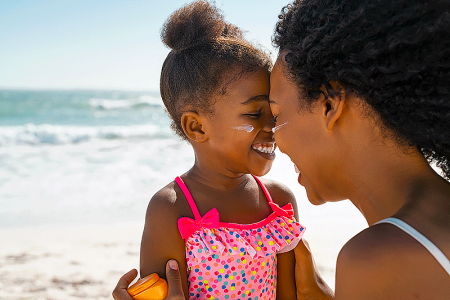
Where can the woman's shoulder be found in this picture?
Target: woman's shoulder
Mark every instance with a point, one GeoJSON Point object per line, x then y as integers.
{"type": "Point", "coordinates": [388, 262]}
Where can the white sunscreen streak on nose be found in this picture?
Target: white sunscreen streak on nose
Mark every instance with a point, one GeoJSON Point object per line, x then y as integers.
{"type": "Point", "coordinates": [245, 127]}
{"type": "Point", "coordinates": [278, 127]}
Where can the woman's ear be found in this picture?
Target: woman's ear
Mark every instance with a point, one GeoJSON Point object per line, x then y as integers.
{"type": "Point", "coordinates": [334, 103]}
{"type": "Point", "coordinates": [192, 127]}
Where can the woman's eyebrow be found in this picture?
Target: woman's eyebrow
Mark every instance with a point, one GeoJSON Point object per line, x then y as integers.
{"type": "Point", "coordinates": [256, 98]}
{"type": "Point", "coordinates": [272, 102]}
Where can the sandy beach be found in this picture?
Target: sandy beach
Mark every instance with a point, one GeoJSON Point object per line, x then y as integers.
{"type": "Point", "coordinates": [82, 262]}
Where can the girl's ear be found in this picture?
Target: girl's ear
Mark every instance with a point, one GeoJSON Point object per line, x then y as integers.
{"type": "Point", "coordinates": [334, 103]}
{"type": "Point", "coordinates": [192, 127]}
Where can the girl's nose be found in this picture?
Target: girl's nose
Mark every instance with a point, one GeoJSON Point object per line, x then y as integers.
{"type": "Point", "coordinates": [269, 123]}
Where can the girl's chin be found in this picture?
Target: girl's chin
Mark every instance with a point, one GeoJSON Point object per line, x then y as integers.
{"type": "Point", "coordinates": [262, 171]}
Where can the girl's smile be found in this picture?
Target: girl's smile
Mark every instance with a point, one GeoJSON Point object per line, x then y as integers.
{"type": "Point", "coordinates": [266, 149]}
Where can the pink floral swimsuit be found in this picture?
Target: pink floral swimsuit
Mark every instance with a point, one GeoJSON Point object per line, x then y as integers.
{"type": "Point", "coordinates": [236, 261]}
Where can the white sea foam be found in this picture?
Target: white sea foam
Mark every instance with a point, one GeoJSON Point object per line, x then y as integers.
{"type": "Point", "coordinates": [31, 134]}
{"type": "Point", "coordinates": [116, 104]}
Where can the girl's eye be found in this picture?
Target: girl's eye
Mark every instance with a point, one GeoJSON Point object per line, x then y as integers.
{"type": "Point", "coordinates": [255, 115]}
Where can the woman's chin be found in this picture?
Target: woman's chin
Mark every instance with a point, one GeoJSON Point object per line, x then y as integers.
{"type": "Point", "coordinates": [314, 199]}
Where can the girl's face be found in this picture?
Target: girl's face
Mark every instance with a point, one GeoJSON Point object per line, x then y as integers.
{"type": "Point", "coordinates": [240, 129]}
{"type": "Point", "coordinates": [303, 138]}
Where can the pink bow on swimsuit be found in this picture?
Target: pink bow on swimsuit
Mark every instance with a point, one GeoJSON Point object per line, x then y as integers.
{"type": "Point", "coordinates": [286, 211]}
{"type": "Point", "coordinates": [187, 225]}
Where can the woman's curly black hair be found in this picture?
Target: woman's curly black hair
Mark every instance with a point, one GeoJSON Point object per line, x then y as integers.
{"type": "Point", "coordinates": [207, 54]}
{"type": "Point", "coordinates": [394, 54]}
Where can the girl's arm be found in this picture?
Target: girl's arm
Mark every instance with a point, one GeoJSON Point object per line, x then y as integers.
{"type": "Point", "coordinates": [161, 239]}
{"type": "Point", "coordinates": [286, 289]}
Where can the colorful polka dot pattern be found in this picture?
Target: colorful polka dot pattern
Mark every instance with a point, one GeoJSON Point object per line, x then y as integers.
{"type": "Point", "coordinates": [229, 263]}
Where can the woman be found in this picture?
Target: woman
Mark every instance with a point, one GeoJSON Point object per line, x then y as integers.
{"type": "Point", "coordinates": [362, 91]}
{"type": "Point", "coordinates": [363, 88]}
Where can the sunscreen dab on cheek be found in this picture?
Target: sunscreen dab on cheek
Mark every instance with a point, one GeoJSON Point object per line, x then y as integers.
{"type": "Point", "coordinates": [278, 127]}
{"type": "Point", "coordinates": [244, 127]}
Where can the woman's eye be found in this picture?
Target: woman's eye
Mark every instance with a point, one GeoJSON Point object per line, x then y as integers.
{"type": "Point", "coordinates": [274, 120]}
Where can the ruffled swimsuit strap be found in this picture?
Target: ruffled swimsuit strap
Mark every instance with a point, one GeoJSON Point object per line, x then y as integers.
{"type": "Point", "coordinates": [188, 196]}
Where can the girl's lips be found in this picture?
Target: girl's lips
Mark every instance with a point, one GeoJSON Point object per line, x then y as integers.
{"type": "Point", "coordinates": [267, 148]}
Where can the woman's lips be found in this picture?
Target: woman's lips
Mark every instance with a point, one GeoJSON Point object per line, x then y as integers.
{"type": "Point", "coordinates": [299, 174]}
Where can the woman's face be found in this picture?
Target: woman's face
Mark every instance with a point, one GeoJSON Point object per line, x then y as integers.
{"type": "Point", "coordinates": [301, 133]}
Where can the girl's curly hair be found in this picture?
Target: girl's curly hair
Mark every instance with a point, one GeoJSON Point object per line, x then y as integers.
{"type": "Point", "coordinates": [394, 54]}
{"type": "Point", "coordinates": [207, 54]}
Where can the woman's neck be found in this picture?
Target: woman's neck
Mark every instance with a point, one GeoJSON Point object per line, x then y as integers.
{"type": "Point", "coordinates": [390, 181]}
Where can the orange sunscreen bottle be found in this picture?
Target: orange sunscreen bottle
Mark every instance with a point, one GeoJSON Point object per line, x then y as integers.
{"type": "Point", "coordinates": [149, 288]}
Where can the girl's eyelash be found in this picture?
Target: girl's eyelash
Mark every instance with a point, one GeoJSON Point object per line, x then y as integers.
{"type": "Point", "coordinates": [255, 115]}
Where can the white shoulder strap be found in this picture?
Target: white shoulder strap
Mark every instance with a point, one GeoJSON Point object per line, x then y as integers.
{"type": "Point", "coordinates": [440, 257]}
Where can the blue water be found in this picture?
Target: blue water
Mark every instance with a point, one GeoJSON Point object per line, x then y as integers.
{"type": "Point", "coordinates": [78, 107]}
{"type": "Point", "coordinates": [34, 117]}
{"type": "Point", "coordinates": [83, 156]}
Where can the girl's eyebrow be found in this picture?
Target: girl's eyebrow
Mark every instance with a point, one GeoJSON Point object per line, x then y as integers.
{"type": "Point", "coordinates": [256, 98]}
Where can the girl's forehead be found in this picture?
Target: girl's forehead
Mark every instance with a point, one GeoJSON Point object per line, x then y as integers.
{"type": "Point", "coordinates": [248, 86]}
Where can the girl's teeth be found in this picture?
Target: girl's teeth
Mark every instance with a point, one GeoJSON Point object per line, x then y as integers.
{"type": "Point", "coordinates": [265, 149]}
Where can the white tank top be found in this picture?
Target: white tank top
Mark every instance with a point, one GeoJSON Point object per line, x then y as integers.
{"type": "Point", "coordinates": [440, 257]}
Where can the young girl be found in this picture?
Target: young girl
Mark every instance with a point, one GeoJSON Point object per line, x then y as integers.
{"type": "Point", "coordinates": [232, 231]}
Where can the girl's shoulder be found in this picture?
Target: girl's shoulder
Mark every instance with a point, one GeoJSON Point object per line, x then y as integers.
{"type": "Point", "coordinates": [280, 193]}
{"type": "Point", "coordinates": [168, 203]}
{"type": "Point", "coordinates": [388, 262]}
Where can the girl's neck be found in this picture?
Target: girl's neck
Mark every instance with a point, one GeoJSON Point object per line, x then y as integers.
{"type": "Point", "coordinates": [218, 181]}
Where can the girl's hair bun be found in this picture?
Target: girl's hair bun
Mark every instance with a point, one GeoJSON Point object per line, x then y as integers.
{"type": "Point", "coordinates": [195, 24]}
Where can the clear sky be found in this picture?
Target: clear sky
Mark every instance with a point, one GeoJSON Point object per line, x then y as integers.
{"type": "Point", "coordinates": [103, 44]}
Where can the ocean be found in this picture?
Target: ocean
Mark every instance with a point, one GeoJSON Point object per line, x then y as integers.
{"type": "Point", "coordinates": [82, 157]}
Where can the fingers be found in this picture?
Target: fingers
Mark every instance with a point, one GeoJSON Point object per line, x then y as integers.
{"type": "Point", "coordinates": [303, 253]}
{"type": "Point", "coordinates": [174, 281]}
{"type": "Point", "coordinates": [120, 292]}
{"type": "Point", "coordinates": [308, 281]}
